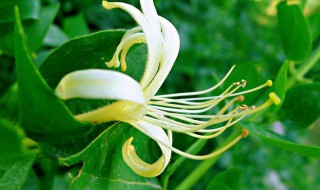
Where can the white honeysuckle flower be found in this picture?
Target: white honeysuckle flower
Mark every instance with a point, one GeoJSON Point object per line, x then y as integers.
{"type": "Point", "coordinates": [153, 114]}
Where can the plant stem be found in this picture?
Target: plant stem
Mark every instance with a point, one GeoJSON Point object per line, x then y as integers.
{"type": "Point", "coordinates": [304, 69]}
{"type": "Point", "coordinates": [193, 149]}
{"type": "Point", "coordinates": [193, 177]}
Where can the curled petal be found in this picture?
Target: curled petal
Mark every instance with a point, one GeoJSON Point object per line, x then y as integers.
{"type": "Point", "coordinates": [171, 47]}
{"type": "Point", "coordinates": [150, 25]}
{"type": "Point", "coordinates": [139, 166]}
{"type": "Point", "coordinates": [104, 84]}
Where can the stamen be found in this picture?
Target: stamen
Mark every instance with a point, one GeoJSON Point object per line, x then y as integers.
{"type": "Point", "coordinates": [244, 83]}
{"type": "Point", "coordinates": [199, 92]}
{"type": "Point", "coordinates": [195, 157]}
{"type": "Point", "coordinates": [268, 83]}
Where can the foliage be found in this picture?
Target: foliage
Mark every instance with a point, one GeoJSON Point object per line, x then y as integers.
{"type": "Point", "coordinates": [42, 146]}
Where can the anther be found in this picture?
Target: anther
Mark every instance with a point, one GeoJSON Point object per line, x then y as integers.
{"type": "Point", "coordinates": [244, 133]}
{"type": "Point", "coordinates": [244, 107]}
{"type": "Point", "coordinates": [240, 98]}
{"type": "Point", "coordinates": [253, 107]}
{"type": "Point", "coordinates": [269, 82]}
{"type": "Point", "coordinates": [276, 100]}
{"type": "Point", "coordinates": [244, 83]}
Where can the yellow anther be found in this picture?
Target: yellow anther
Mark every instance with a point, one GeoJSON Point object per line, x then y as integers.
{"type": "Point", "coordinates": [276, 100]}
{"type": "Point", "coordinates": [244, 83]}
{"type": "Point", "coordinates": [108, 5]}
{"type": "Point", "coordinates": [240, 98]}
{"type": "Point", "coordinates": [244, 107]}
{"type": "Point", "coordinates": [244, 133]}
{"type": "Point", "coordinates": [269, 83]}
{"type": "Point", "coordinates": [253, 107]}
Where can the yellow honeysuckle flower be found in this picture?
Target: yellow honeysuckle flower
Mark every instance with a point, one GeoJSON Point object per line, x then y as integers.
{"type": "Point", "coordinates": [153, 114]}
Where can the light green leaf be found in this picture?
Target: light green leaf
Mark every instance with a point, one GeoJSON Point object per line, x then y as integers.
{"type": "Point", "coordinates": [75, 25]}
{"type": "Point", "coordinates": [103, 165]}
{"type": "Point", "coordinates": [271, 138]}
{"type": "Point", "coordinates": [314, 21]}
{"type": "Point", "coordinates": [294, 31]}
{"type": "Point", "coordinates": [55, 37]}
{"type": "Point", "coordinates": [29, 9]}
{"type": "Point", "coordinates": [231, 179]}
{"type": "Point", "coordinates": [42, 114]}
{"type": "Point", "coordinates": [16, 172]}
{"type": "Point", "coordinates": [302, 105]}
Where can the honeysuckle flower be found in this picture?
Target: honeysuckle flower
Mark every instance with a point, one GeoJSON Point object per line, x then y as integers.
{"type": "Point", "coordinates": [157, 116]}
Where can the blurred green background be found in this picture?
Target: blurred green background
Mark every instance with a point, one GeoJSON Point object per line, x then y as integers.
{"type": "Point", "coordinates": [214, 36]}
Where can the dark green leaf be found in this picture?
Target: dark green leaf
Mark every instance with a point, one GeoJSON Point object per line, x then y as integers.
{"type": "Point", "coordinates": [29, 9]}
{"type": "Point", "coordinates": [10, 141]}
{"type": "Point", "coordinates": [93, 50]}
{"type": "Point", "coordinates": [103, 165]}
{"type": "Point", "coordinates": [271, 138]}
{"type": "Point", "coordinates": [16, 172]}
{"type": "Point", "coordinates": [42, 114]}
{"type": "Point", "coordinates": [9, 103]}
{"type": "Point", "coordinates": [302, 105]}
{"type": "Point", "coordinates": [75, 25]}
{"type": "Point", "coordinates": [35, 31]}
{"type": "Point", "coordinates": [231, 179]}
{"type": "Point", "coordinates": [294, 31]}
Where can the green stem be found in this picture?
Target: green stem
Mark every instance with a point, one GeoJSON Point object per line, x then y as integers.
{"type": "Point", "coordinates": [192, 178]}
{"type": "Point", "coordinates": [194, 149]}
{"type": "Point", "coordinates": [304, 69]}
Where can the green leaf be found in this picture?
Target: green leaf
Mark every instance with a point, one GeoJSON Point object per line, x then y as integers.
{"type": "Point", "coordinates": [215, 186]}
{"type": "Point", "coordinates": [16, 172]}
{"type": "Point", "coordinates": [42, 114]}
{"type": "Point", "coordinates": [302, 105]}
{"type": "Point", "coordinates": [271, 138]}
{"type": "Point", "coordinates": [90, 52]}
{"type": "Point", "coordinates": [314, 21]}
{"type": "Point", "coordinates": [29, 9]}
{"type": "Point", "coordinates": [103, 165]}
{"type": "Point", "coordinates": [294, 31]}
{"type": "Point", "coordinates": [10, 141]}
{"type": "Point", "coordinates": [75, 25]}
{"type": "Point", "coordinates": [9, 104]}
{"type": "Point", "coordinates": [55, 37]}
{"type": "Point", "coordinates": [35, 31]}
{"type": "Point", "coordinates": [229, 179]}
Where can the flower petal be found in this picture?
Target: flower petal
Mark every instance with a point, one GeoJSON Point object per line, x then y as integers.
{"type": "Point", "coordinates": [104, 84]}
{"type": "Point", "coordinates": [139, 166]}
{"type": "Point", "coordinates": [170, 53]}
{"type": "Point", "coordinates": [150, 25]}
{"type": "Point", "coordinates": [99, 84]}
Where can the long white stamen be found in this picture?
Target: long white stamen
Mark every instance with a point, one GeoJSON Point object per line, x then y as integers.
{"type": "Point", "coordinates": [199, 92]}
